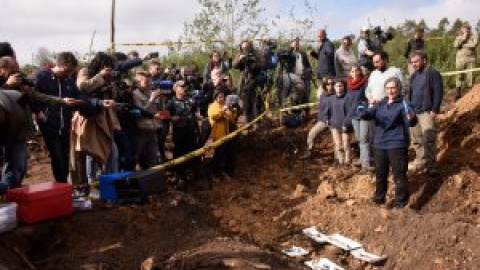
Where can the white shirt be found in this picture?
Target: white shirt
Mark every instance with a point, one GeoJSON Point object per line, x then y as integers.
{"type": "Point", "coordinates": [298, 63]}
{"type": "Point", "coordinates": [376, 83]}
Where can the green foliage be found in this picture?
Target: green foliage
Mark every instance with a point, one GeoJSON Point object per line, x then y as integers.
{"type": "Point", "coordinates": [226, 22]}
{"type": "Point", "coordinates": [439, 39]}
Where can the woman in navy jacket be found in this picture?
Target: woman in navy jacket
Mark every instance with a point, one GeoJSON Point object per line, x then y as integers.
{"type": "Point", "coordinates": [392, 117]}
{"type": "Point", "coordinates": [340, 124]}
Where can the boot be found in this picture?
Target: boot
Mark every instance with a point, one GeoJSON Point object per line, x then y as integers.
{"type": "Point", "coordinates": [458, 94]}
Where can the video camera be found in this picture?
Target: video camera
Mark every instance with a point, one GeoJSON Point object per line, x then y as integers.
{"type": "Point", "coordinates": [382, 36]}
{"type": "Point", "coordinates": [249, 58]}
{"type": "Point", "coordinates": [165, 87]}
{"type": "Point", "coordinates": [271, 44]}
{"type": "Point", "coordinates": [285, 56]}
{"type": "Point", "coordinates": [233, 103]}
{"type": "Point", "coordinates": [27, 81]}
{"type": "Point", "coordinates": [194, 80]}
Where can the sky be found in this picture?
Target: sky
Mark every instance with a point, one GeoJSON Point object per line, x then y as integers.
{"type": "Point", "coordinates": [68, 25]}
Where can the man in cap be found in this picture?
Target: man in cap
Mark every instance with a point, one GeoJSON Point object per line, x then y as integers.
{"type": "Point", "coordinates": [366, 49]}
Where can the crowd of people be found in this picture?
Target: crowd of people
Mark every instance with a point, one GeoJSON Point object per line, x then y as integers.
{"type": "Point", "coordinates": [115, 113]}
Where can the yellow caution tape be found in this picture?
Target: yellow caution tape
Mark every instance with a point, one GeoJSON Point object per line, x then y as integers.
{"type": "Point", "coordinates": [213, 145]}
{"type": "Point", "coordinates": [216, 144]}
{"type": "Point", "coordinates": [451, 73]}
{"type": "Point", "coordinates": [303, 106]}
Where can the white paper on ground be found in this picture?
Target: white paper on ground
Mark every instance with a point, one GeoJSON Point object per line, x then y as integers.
{"type": "Point", "coordinates": [314, 234]}
{"type": "Point", "coordinates": [295, 251]}
{"type": "Point", "coordinates": [323, 264]}
{"type": "Point", "coordinates": [8, 216]}
{"type": "Point", "coordinates": [82, 204]}
{"type": "Point", "coordinates": [343, 242]}
{"type": "Point", "coordinates": [363, 255]}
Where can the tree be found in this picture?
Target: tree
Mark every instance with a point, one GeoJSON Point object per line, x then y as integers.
{"type": "Point", "coordinates": [226, 20]}
{"type": "Point", "coordinates": [442, 26]}
{"type": "Point", "coordinates": [408, 27]}
{"type": "Point", "coordinates": [422, 24]}
{"type": "Point", "coordinates": [457, 24]}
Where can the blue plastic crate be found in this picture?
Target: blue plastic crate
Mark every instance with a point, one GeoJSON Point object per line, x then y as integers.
{"type": "Point", "coordinates": [107, 190]}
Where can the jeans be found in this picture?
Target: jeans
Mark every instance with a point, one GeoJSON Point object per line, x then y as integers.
{"type": "Point", "coordinates": [362, 132]}
{"type": "Point", "coordinates": [16, 160]}
{"type": "Point", "coordinates": [58, 146]}
{"type": "Point", "coordinates": [397, 159]}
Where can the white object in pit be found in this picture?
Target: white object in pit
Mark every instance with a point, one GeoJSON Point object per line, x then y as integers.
{"type": "Point", "coordinates": [363, 255]}
{"type": "Point", "coordinates": [295, 251]}
{"type": "Point", "coordinates": [314, 234]}
{"type": "Point", "coordinates": [343, 242]}
{"type": "Point", "coordinates": [323, 264]}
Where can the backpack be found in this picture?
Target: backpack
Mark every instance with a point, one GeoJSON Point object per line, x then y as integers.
{"type": "Point", "coordinates": [292, 120]}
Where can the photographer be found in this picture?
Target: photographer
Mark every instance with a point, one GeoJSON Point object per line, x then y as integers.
{"type": "Point", "coordinates": [147, 145]}
{"type": "Point", "coordinates": [417, 43]}
{"type": "Point", "coordinates": [93, 131]}
{"type": "Point", "coordinates": [253, 65]}
{"type": "Point", "coordinates": [223, 118]}
{"type": "Point", "coordinates": [366, 49]}
{"type": "Point", "coordinates": [157, 72]}
{"type": "Point", "coordinates": [216, 61]}
{"type": "Point", "coordinates": [184, 131]}
{"type": "Point", "coordinates": [173, 73]}
{"type": "Point", "coordinates": [55, 121]}
{"type": "Point", "coordinates": [220, 82]}
{"type": "Point", "coordinates": [18, 95]}
{"type": "Point", "coordinates": [298, 64]}
{"type": "Point", "coordinates": [127, 114]}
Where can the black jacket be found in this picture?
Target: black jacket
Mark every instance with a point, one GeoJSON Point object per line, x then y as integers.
{"type": "Point", "coordinates": [414, 45]}
{"type": "Point", "coordinates": [326, 59]}
{"type": "Point", "coordinates": [432, 90]}
{"type": "Point", "coordinates": [292, 62]}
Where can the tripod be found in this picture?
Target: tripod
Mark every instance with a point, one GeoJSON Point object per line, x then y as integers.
{"type": "Point", "coordinates": [283, 89]}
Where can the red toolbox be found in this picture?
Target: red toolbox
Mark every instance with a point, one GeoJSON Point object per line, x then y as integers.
{"type": "Point", "coordinates": [43, 201]}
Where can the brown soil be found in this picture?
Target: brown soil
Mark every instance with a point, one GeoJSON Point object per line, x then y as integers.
{"type": "Point", "coordinates": [243, 223]}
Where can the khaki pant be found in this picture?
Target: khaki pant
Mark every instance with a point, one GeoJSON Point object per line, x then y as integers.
{"type": "Point", "coordinates": [341, 140]}
{"type": "Point", "coordinates": [424, 136]}
{"type": "Point", "coordinates": [462, 64]}
{"type": "Point", "coordinates": [313, 133]}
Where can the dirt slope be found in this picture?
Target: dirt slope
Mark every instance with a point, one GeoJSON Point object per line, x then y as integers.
{"type": "Point", "coordinates": [243, 223]}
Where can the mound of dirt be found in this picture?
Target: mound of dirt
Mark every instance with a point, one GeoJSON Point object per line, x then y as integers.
{"type": "Point", "coordinates": [245, 222]}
